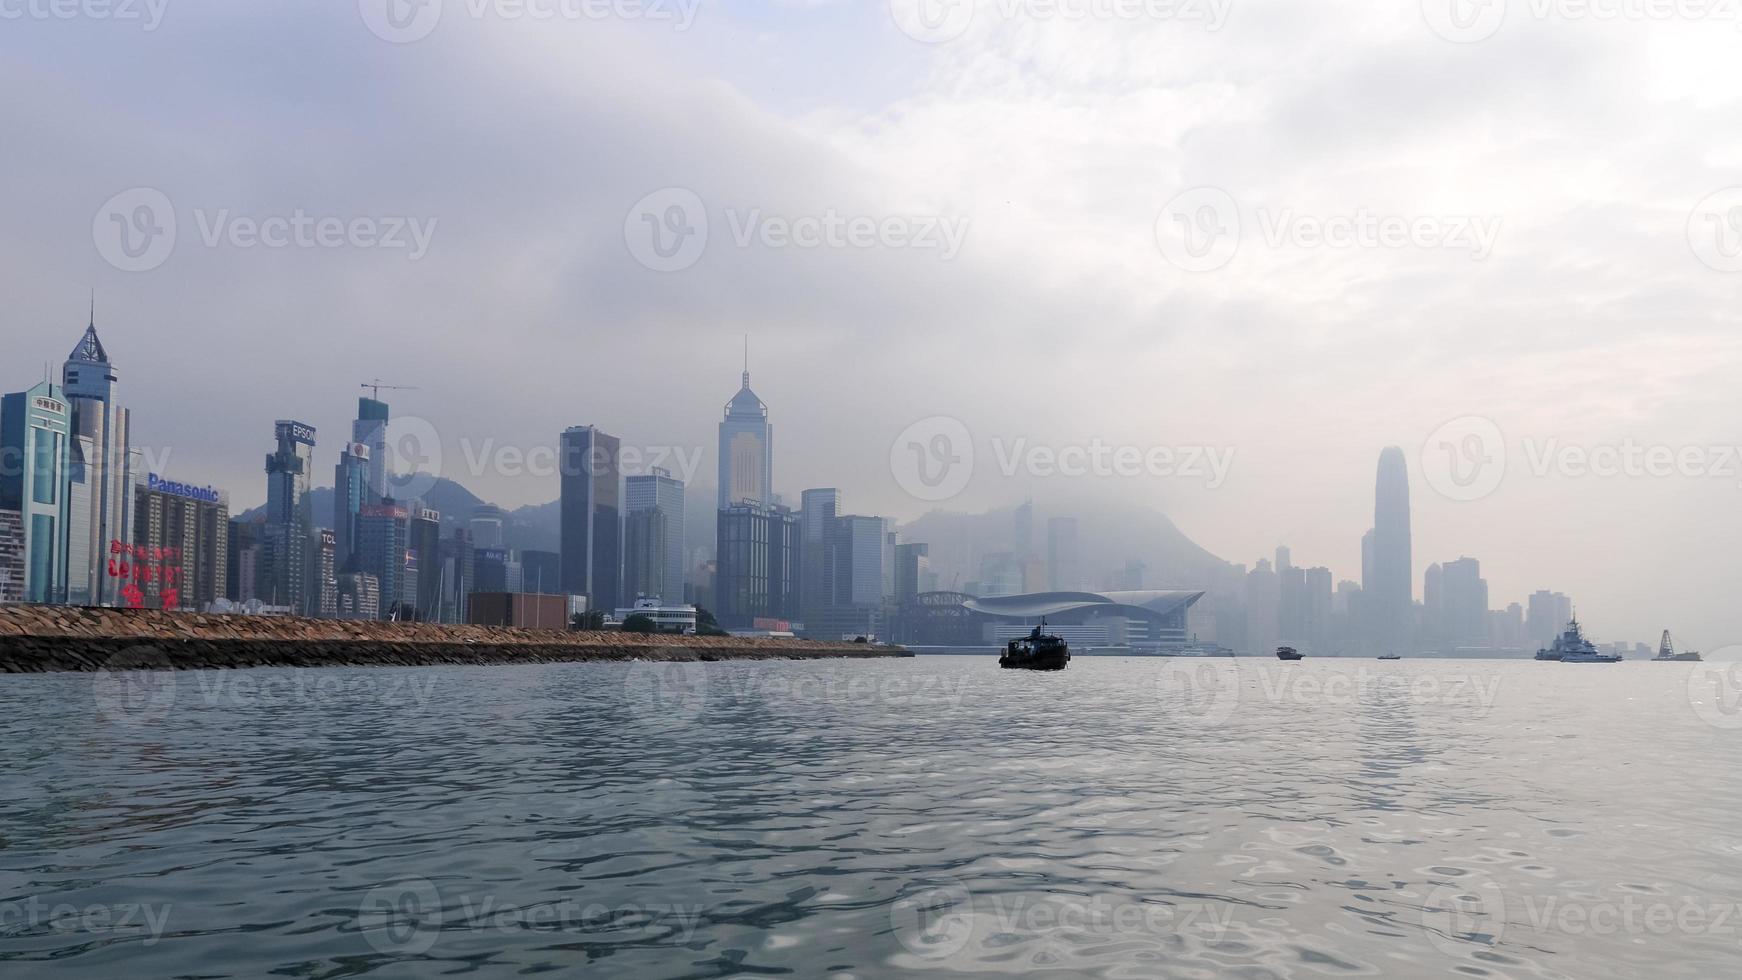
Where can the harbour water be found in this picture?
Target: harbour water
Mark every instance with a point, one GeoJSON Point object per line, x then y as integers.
{"type": "Point", "coordinates": [935, 817]}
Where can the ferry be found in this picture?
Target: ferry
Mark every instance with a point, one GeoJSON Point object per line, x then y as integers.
{"type": "Point", "coordinates": [1571, 647]}
{"type": "Point", "coordinates": [1666, 653]}
{"type": "Point", "coordinates": [1037, 651]}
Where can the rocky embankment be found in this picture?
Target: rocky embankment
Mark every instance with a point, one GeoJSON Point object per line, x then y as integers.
{"type": "Point", "coordinates": [41, 639]}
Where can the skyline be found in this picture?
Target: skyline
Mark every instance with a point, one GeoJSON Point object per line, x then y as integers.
{"type": "Point", "coordinates": [1590, 321]}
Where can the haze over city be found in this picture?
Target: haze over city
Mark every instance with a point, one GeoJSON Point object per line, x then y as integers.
{"type": "Point", "coordinates": [1560, 300]}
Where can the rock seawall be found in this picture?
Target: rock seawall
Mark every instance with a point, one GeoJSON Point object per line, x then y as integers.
{"type": "Point", "coordinates": [44, 639]}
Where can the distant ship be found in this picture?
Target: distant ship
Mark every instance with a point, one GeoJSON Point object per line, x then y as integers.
{"type": "Point", "coordinates": [1571, 647]}
{"type": "Point", "coordinates": [1392, 656]}
{"type": "Point", "coordinates": [1666, 653]}
{"type": "Point", "coordinates": [1287, 653]}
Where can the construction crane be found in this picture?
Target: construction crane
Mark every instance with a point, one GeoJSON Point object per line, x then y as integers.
{"type": "Point", "coordinates": [375, 387]}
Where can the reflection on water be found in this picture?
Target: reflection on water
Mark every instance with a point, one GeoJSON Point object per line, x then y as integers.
{"type": "Point", "coordinates": [1126, 818]}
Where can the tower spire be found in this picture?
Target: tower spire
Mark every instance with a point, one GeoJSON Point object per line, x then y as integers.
{"type": "Point", "coordinates": [746, 360]}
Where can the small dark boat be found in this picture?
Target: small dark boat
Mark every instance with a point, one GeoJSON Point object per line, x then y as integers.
{"type": "Point", "coordinates": [1392, 656]}
{"type": "Point", "coordinates": [1037, 651]}
{"type": "Point", "coordinates": [1287, 653]}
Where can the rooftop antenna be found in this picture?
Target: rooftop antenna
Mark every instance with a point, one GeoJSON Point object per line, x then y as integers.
{"type": "Point", "coordinates": [746, 360]}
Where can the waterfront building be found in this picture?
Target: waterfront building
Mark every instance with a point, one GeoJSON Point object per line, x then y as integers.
{"type": "Point", "coordinates": [490, 571]}
{"type": "Point", "coordinates": [11, 557]}
{"type": "Point", "coordinates": [359, 595]}
{"type": "Point", "coordinates": [912, 567]}
{"type": "Point", "coordinates": [424, 542]}
{"type": "Point", "coordinates": [816, 588]}
{"type": "Point", "coordinates": [1547, 614]}
{"type": "Point", "coordinates": [190, 524]}
{"type": "Point", "coordinates": [242, 571]}
{"type": "Point", "coordinates": [1464, 597]}
{"type": "Point", "coordinates": [323, 589]}
{"type": "Point", "coordinates": [592, 515]}
{"type": "Point", "coordinates": [653, 537]}
{"type": "Point", "coordinates": [35, 429]}
{"type": "Point", "coordinates": [746, 451]}
{"type": "Point", "coordinates": [383, 532]}
{"type": "Point", "coordinates": [667, 617]}
{"type": "Point", "coordinates": [350, 492]}
{"type": "Point", "coordinates": [284, 537]}
{"type": "Point", "coordinates": [1388, 581]}
{"type": "Point", "coordinates": [486, 526]}
{"type": "Point", "coordinates": [756, 565]}
{"type": "Point", "coordinates": [863, 577]}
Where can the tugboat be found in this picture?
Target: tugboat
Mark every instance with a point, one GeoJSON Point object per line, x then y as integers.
{"type": "Point", "coordinates": [1037, 651]}
{"type": "Point", "coordinates": [1666, 653]}
{"type": "Point", "coordinates": [1571, 647]}
{"type": "Point", "coordinates": [1287, 653]}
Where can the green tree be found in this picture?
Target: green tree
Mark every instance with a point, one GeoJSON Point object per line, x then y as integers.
{"type": "Point", "coordinates": [640, 623]}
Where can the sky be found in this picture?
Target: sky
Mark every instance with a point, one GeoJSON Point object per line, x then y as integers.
{"type": "Point", "coordinates": [1210, 257]}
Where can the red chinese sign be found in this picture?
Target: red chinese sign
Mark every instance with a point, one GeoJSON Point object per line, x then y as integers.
{"type": "Point", "coordinates": [139, 566]}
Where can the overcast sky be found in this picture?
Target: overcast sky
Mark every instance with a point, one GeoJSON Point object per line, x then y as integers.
{"type": "Point", "coordinates": [1043, 254]}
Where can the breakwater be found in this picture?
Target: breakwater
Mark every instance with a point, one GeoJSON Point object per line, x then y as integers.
{"type": "Point", "coordinates": [46, 639]}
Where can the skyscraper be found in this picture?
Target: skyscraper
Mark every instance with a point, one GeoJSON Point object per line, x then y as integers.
{"type": "Point", "coordinates": [816, 588]}
{"type": "Point", "coordinates": [424, 542]}
{"type": "Point", "coordinates": [654, 538]}
{"type": "Point", "coordinates": [746, 450]}
{"type": "Point", "coordinates": [756, 568]}
{"type": "Point", "coordinates": [284, 538]}
{"type": "Point", "coordinates": [383, 535]}
{"type": "Point", "coordinates": [351, 491]}
{"type": "Point", "coordinates": [1389, 586]}
{"type": "Point", "coordinates": [592, 516]}
{"type": "Point", "coordinates": [370, 429]}
{"type": "Point", "coordinates": [11, 557]}
{"type": "Point", "coordinates": [35, 426]}
{"type": "Point", "coordinates": [102, 471]}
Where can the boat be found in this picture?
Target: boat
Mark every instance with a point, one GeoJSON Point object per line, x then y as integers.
{"type": "Point", "coordinates": [1571, 647]}
{"type": "Point", "coordinates": [1666, 653]}
{"type": "Point", "coordinates": [1392, 656]}
{"type": "Point", "coordinates": [1287, 653]}
{"type": "Point", "coordinates": [1036, 651]}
